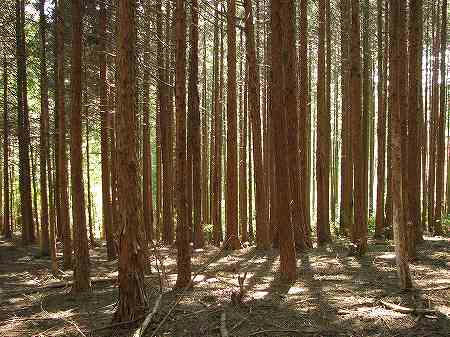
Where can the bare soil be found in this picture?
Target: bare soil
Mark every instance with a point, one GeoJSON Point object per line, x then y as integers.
{"type": "Point", "coordinates": [335, 294]}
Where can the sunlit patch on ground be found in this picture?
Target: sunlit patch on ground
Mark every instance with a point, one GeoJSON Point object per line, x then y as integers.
{"type": "Point", "coordinates": [334, 295]}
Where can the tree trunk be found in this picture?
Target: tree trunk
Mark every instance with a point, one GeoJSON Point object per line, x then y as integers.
{"type": "Point", "coordinates": [381, 127]}
{"type": "Point", "coordinates": [43, 139]}
{"type": "Point", "coordinates": [433, 126]}
{"type": "Point", "coordinates": [81, 270]}
{"type": "Point", "coordinates": [365, 120]}
{"type": "Point", "coordinates": [304, 129]}
{"type": "Point", "coordinates": [147, 199]}
{"type": "Point", "coordinates": [345, 221]}
{"type": "Point", "coordinates": [132, 296]}
{"type": "Point", "coordinates": [359, 230]}
{"type": "Point", "coordinates": [88, 173]}
{"type": "Point", "coordinates": [183, 230]}
{"type": "Point", "coordinates": [414, 117]}
{"type": "Point", "coordinates": [440, 154]}
{"type": "Point", "coordinates": [8, 231]}
{"type": "Point", "coordinates": [261, 205]}
{"type": "Point", "coordinates": [323, 138]}
{"type": "Point", "coordinates": [400, 233]}
{"type": "Point", "coordinates": [283, 53]}
{"type": "Point", "coordinates": [232, 169]}
{"type": "Point", "coordinates": [243, 221]}
{"type": "Point", "coordinates": [62, 154]}
{"type": "Point", "coordinates": [195, 127]}
{"type": "Point", "coordinates": [166, 136]}
{"type": "Point", "coordinates": [23, 129]}
{"type": "Point", "coordinates": [105, 139]}
{"type": "Point", "coordinates": [205, 198]}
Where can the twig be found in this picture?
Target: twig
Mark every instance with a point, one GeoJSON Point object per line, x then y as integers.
{"type": "Point", "coordinates": [189, 285]}
{"type": "Point", "coordinates": [272, 331]}
{"type": "Point", "coordinates": [435, 289]}
{"type": "Point", "coordinates": [115, 325]}
{"type": "Point", "coordinates": [149, 317]}
{"type": "Point", "coordinates": [237, 325]}
{"type": "Point", "coordinates": [223, 325]}
{"type": "Point", "coordinates": [406, 310]}
{"type": "Point", "coordinates": [55, 286]}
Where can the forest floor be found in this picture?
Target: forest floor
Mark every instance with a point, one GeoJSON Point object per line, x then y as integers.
{"type": "Point", "coordinates": [335, 295]}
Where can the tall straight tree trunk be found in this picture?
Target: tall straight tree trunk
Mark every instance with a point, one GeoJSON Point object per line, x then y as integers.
{"type": "Point", "coordinates": [381, 126]}
{"type": "Point", "coordinates": [400, 231]}
{"type": "Point", "coordinates": [414, 117]}
{"type": "Point", "coordinates": [43, 139]}
{"type": "Point", "coordinates": [232, 170]}
{"type": "Point", "coordinates": [403, 102]}
{"type": "Point", "coordinates": [365, 110]}
{"type": "Point", "coordinates": [292, 125]}
{"type": "Point", "coordinates": [443, 108]}
{"type": "Point", "coordinates": [359, 230]}
{"type": "Point", "coordinates": [183, 229]}
{"type": "Point", "coordinates": [214, 162]}
{"type": "Point", "coordinates": [88, 172]}
{"type": "Point", "coordinates": [132, 295]}
{"type": "Point", "coordinates": [304, 125]}
{"type": "Point", "coordinates": [33, 158]}
{"type": "Point", "coordinates": [434, 114]}
{"type": "Point", "coordinates": [23, 129]}
{"type": "Point", "coordinates": [424, 133]}
{"type": "Point", "coordinates": [389, 205]}
{"type": "Point", "coordinates": [147, 201]}
{"type": "Point", "coordinates": [62, 154]}
{"type": "Point", "coordinates": [346, 133]}
{"type": "Point", "coordinates": [166, 136]}
{"type": "Point", "coordinates": [6, 206]}
{"type": "Point", "coordinates": [195, 123]}
{"type": "Point", "coordinates": [323, 138]}
{"type": "Point", "coordinates": [283, 53]}
{"type": "Point", "coordinates": [328, 57]}
{"type": "Point", "coordinates": [243, 220]}
{"type": "Point", "coordinates": [261, 204]}
{"type": "Point", "coordinates": [82, 266]}
{"type": "Point", "coordinates": [251, 231]}
{"type": "Point", "coordinates": [105, 139]}
{"type": "Point", "coordinates": [205, 199]}
{"type": "Point", "coordinates": [52, 213]}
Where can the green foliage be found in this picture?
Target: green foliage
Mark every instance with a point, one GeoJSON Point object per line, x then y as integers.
{"type": "Point", "coordinates": [446, 224]}
{"type": "Point", "coordinates": [371, 224]}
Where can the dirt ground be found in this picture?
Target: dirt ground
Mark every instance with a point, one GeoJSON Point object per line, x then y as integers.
{"type": "Point", "coordinates": [335, 295]}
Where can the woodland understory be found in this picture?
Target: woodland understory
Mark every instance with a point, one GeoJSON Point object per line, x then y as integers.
{"type": "Point", "coordinates": [334, 294]}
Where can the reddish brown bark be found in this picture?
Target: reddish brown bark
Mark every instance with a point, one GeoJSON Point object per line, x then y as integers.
{"type": "Point", "coordinates": [358, 233]}
{"type": "Point", "coordinates": [132, 296]}
{"type": "Point", "coordinates": [62, 154]}
{"type": "Point", "coordinates": [43, 137]}
{"type": "Point", "coordinates": [414, 117]}
{"type": "Point", "coordinates": [400, 231]}
{"type": "Point", "coordinates": [81, 269]}
{"type": "Point", "coordinates": [183, 230]}
{"type": "Point", "coordinates": [283, 52]}
{"type": "Point", "coordinates": [261, 205]}
{"type": "Point", "coordinates": [105, 138]}
{"type": "Point", "coordinates": [7, 228]}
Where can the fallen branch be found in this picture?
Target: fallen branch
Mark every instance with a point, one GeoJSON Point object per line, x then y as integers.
{"type": "Point", "coordinates": [223, 325]}
{"type": "Point", "coordinates": [273, 331]}
{"type": "Point", "coordinates": [406, 310]}
{"type": "Point", "coordinates": [435, 288]}
{"type": "Point", "coordinates": [55, 285]}
{"type": "Point", "coordinates": [200, 270]}
{"type": "Point", "coordinates": [115, 325]}
{"type": "Point", "coordinates": [149, 317]}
